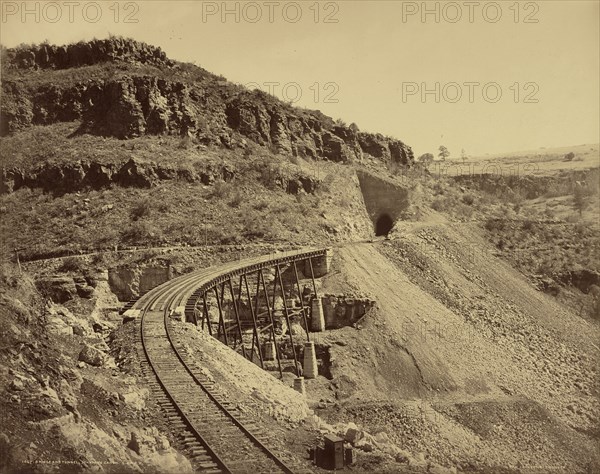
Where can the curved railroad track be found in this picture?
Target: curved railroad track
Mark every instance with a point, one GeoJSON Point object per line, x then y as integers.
{"type": "Point", "coordinates": [216, 437]}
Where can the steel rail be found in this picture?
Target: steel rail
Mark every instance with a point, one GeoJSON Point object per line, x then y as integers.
{"type": "Point", "coordinates": [190, 426]}
{"type": "Point", "coordinates": [172, 294]}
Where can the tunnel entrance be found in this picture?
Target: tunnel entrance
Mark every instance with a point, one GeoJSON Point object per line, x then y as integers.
{"type": "Point", "coordinates": [385, 201]}
{"type": "Point", "coordinates": [383, 225]}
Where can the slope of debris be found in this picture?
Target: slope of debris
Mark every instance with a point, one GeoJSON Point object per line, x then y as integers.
{"type": "Point", "coordinates": [66, 402]}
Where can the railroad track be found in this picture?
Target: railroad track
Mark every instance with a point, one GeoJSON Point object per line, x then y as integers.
{"type": "Point", "coordinates": [215, 435]}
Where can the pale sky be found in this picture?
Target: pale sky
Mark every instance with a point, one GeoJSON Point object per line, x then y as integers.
{"type": "Point", "coordinates": [370, 66]}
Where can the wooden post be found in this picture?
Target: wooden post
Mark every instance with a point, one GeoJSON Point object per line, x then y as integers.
{"type": "Point", "coordinates": [260, 356]}
{"type": "Point", "coordinates": [287, 319]}
{"type": "Point", "coordinates": [237, 317]}
{"type": "Point", "coordinates": [18, 261]}
{"type": "Point", "coordinates": [277, 352]}
{"type": "Point", "coordinates": [312, 275]}
{"type": "Point", "coordinates": [221, 320]}
{"type": "Point", "coordinates": [301, 302]}
{"type": "Point", "coordinates": [208, 322]}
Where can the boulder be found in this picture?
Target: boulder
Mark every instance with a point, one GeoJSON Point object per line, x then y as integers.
{"type": "Point", "coordinates": [78, 330]}
{"type": "Point", "coordinates": [92, 356]}
{"type": "Point", "coordinates": [100, 327]}
{"type": "Point", "coordinates": [68, 398]}
{"type": "Point", "coordinates": [147, 442]}
{"type": "Point", "coordinates": [353, 434]}
{"type": "Point", "coordinates": [418, 461]}
{"type": "Point", "coordinates": [85, 291]}
{"type": "Point", "coordinates": [100, 175]}
{"type": "Point", "coordinates": [178, 313]}
{"type": "Point", "coordinates": [382, 438]}
{"type": "Point", "coordinates": [57, 327]}
{"type": "Point", "coordinates": [136, 173]}
{"type": "Point", "coordinates": [131, 315]}
{"type": "Point", "coordinates": [17, 385]}
{"type": "Point", "coordinates": [135, 398]}
{"type": "Point", "coordinates": [366, 444]}
{"type": "Point", "coordinates": [59, 289]}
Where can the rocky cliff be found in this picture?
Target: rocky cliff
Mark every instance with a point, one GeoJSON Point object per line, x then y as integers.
{"type": "Point", "coordinates": [46, 56]}
{"type": "Point", "coordinates": [131, 89]}
{"type": "Point", "coordinates": [60, 178]}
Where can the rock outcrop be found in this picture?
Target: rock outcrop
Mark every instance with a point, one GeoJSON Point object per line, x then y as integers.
{"type": "Point", "coordinates": [71, 177]}
{"type": "Point", "coordinates": [61, 178]}
{"type": "Point", "coordinates": [57, 288]}
{"type": "Point", "coordinates": [129, 102]}
{"type": "Point", "coordinates": [46, 56]}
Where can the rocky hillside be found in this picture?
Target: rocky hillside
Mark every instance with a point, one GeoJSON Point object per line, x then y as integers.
{"type": "Point", "coordinates": [123, 88]}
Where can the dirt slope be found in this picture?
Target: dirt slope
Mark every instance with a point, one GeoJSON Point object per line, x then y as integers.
{"type": "Point", "coordinates": [507, 373]}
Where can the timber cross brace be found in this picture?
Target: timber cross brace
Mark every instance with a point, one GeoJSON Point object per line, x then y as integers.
{"type": "Point", "coordinates": [240, 308]}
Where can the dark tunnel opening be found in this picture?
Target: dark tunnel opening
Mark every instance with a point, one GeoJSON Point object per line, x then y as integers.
{"type": "Point", "coordinates": [383, 225]}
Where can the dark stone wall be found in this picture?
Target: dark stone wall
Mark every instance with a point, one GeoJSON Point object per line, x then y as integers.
{"type": "Point", "coordinates": [382, 198]}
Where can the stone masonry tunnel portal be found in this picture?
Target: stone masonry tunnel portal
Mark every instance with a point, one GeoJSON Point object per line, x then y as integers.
{"type": "Point", "coordinates": [385, 201]}
{"type": "Point", "coordinates": [383, 225]}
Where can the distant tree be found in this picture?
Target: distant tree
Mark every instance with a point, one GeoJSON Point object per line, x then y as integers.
{"type": "Point", "coordinates": [426, 158]}
{"type": "Point", "coordinates": [354, 127]}
{"type": "Point", "coordinates": [569, 156]}
{"type": "Point", "coordinates": [444, 153]}
{"type": "Point", "coordinates": [579, 201]}
{"type": "Point", "coordinates": [463, 155]}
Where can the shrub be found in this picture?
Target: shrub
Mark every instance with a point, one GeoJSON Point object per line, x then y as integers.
{"type": "Point", "coordinates": [98, 259]}
{"type": "Point", "coordinates": [70, 264]}
{"type": "Point", "coordinates": [237, 199]}
{"type": "Point", "coordinates": [185, 143]}
{"type": "Point", "coordinates": [439, 204]}
{"type": "Point", "coordinates": [527, 224]}
{"type": "Point", "coordinates": [137, 232]}
{"type": "Point", "coordinates": [517, 207]}
{"type": "Point", "coordinates": [268, 174]}
{"type": "Point", "coordinates": [260, 205]}
{"type": "Point", "coordinates": [162, 207]}
{"type": "Point", "coordinates": [141, 209]}
{"type": "Point", "coordinates": [579, 202]}
{"type": "Point", "coordinates": [495, 224]}
{"type": "Point", "coordinates": [468, 199]}
{"type": "Point", "coordinates": [438, 189]}
{"type": "Point", "coordinates": [220, 190]}
{"type": "Point", "coordinates": [463, 210]}
{"type": "Point", "coordinates": [9, 274]}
